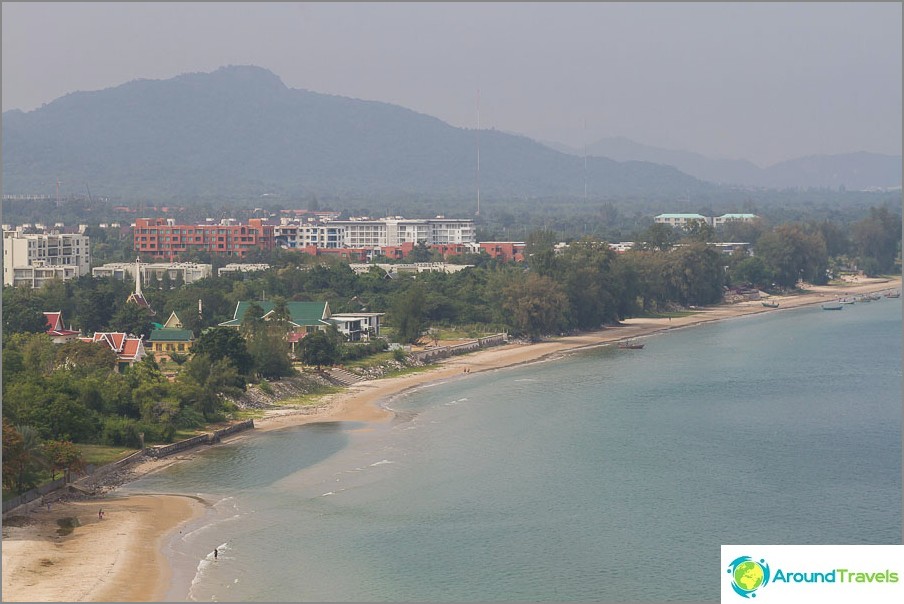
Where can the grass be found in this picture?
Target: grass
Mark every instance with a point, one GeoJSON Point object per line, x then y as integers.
{"type": "Point", "coordinates": [374, 360]}
{"type": "Point", "coordinates": [311, 399]}
{"type": "Point", "coordinates": [103, 454]}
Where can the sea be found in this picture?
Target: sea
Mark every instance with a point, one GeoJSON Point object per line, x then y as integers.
{"type": "Point", "coordinates": [599, 475]}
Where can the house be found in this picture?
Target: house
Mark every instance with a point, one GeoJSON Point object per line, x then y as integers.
{"type": "Point", "coordinates": [57, 330]}
{"type": "Point", "coordinates": [129, 350]}
{"type": "Point", "coordinates": [358, 325]}
{"type": "Point", "coordinates": [304, 317]}
{"type": "Point", "coordinates": [170, 338]}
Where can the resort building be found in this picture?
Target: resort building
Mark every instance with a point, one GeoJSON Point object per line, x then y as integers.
{"type": "Point", "coordinates": [366, 233]}
{"type": "Point", "coordinates": [683, 220]}
{"type": "Point", "coordinates": [31, 260]}
{"type": "Point", "coordinates": [242, 268]}
{"type": "Point", "coordinates": [358, 326]}
{"type": "Point", "coordinates": [187, 272]}
{"type": "Point", "coordinates": [169, 338]}
{"type": "Point", "coordinates": [163, 238]}
{"type": "Point", "coordinates": [720, 220]}
{"type": "Point", "coordinates": [304, 317]}
{"type": "Point", "coordinates": [504, 251]}
{"type": "Point", "coordinates": [414, 267]}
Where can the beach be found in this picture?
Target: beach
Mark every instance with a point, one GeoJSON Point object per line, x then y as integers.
{"type": "Point", "coordinates": [119, 557]}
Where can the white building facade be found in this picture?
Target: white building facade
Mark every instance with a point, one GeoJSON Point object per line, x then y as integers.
{"type": "Point", "coordinates": [31, 260]}
{"type": "Point", "coordinates": [189, 272]}
{"type": "Point", "coordinates": [374, 233]}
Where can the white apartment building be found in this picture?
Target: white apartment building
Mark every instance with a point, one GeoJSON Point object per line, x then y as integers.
{"type": "Point", "coordinates": [683, 220]}
{"type": "Point", "coordinates": [242, 268]}
{"type": "Point", "coordinates": [34, 259]}
{"type": "Point", "coordinates": [368, 233]}
{"type": "Point", "coordinates": [189, 272]}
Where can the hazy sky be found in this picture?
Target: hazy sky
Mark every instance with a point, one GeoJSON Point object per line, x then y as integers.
{"type": "Point", "coordinates": [760, 81]}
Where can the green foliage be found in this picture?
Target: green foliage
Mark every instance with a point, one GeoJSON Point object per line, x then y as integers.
{"type": "Point", "coordinates": [22, 311]}
{"type": "Point", "coordinates": [225, 343]}
{"type": "Point", "coordinates": [408, 313]}
{"type": "Point", "coordinates": [537, 305]}
{"type": "Point", "coordinates": [791, 254]}
{"type": "Point", "coordinates": [878, 237]}
{"type": "Point", "coordinates": [319, 349]}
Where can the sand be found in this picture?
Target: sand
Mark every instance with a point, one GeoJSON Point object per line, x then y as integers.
{"type": "Point", "coordinates": [119, 558]}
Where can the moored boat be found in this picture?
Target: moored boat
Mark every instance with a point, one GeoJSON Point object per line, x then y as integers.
{"type": "Point", "coordinates": [770, 304]}
{"type": "Point", "coordinates": [894, 294]}
{"type": "Point", "coordinates": [631, 345]}
{"type": "Point", "coordinates": [832, 306]}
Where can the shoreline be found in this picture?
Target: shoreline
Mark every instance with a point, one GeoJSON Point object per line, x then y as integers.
{"type": "Point", "coordinates": [102, 557]}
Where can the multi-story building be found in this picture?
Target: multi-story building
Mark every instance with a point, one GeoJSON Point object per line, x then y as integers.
{"type": "Point", "coordinates": [188, 272]}
{"type": "Point", "coordinates": [34, 259]}
{"type": "Point", "coordinates": [365, 233]}
{"type": "Point", "coordinates": [683, 220]}
{"type": "Point", "coordinates": [163, 238]}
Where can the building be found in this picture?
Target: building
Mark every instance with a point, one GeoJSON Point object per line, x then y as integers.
{"type": "Point", "coordinates": [128, 350]}
{"type": "Point", "coordinates": [163, 238]}
{"type": "Point", "coordinates": [720, 220]}
{"type": "Point", "coordinates": [56, 329]}
{"type": "Point", "coordinates": [170, 338]}
{"type": "Point", "coordinates": [188, 272]}
{"type": "Point", "coordinates": [242, 268]}
{"type": "Point", "coordinates": [304, 317]}
{"type": "Point", "coordinates": [681, 220]}
{"type": "Point", "coordinates": [137, 297]}
{"type": "Point", "coordinates": [31, 260]}
{"type": "Point", "coordinates": [366, 233]}
{"type": "Point", "coordinates": [504, 251]}
{"type": "Point", "coordinates": [357, 326]}
{"type": "Point", "coordinates": [414, 267]}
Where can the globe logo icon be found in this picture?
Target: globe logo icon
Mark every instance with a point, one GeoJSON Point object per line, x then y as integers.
{"type": "Point", "coordinates": [748, 575]}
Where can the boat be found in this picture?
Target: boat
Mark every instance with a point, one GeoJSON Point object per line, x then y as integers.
{"type": "Point", "coordinates": [630, 345]}
{"type": "Point", "coordinates": [770, 304]}
{"type": "Point", "coordinates": [832, 306]}
{"type": "Point", "coordinates": [847, 300]}
{"type": "Point", "coordinates": [895, 294]}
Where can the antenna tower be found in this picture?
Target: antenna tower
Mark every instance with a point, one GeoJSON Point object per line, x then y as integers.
{"type": "Point", "coordinates": [477, 213]}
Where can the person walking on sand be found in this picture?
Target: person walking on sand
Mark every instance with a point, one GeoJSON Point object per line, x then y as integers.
{"type": "Point", "coordinates": [216, 553]}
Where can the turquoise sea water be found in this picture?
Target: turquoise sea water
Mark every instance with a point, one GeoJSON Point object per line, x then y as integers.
{"type": "Point", "coordinates": [606, 475]}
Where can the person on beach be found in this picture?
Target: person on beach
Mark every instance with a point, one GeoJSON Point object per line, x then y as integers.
{"type": "Point", "coordinates": [216, 553]}
{"type": "Point", "coordinates": [100, 514]}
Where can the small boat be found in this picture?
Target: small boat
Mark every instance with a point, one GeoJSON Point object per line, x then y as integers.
{"type": "Point", "coordinates": [832, 306]}
{"type": "Point", "coordinates": [847, 301]}
{"type": "Point", "coordinates": [770, 304]}
{"type": "Point", "coordinates": [894, 294]}
{"type": "Point", "coordinates": [630, 345]}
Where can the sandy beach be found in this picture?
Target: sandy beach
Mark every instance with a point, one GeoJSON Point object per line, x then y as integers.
{"type": "Point", "coordinates": [119, 557]}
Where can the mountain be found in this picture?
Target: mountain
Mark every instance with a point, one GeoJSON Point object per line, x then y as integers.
{"type": "Point", "coordinates": [239, 132]}
{"type": "Point", "coordinates": [854, 171]}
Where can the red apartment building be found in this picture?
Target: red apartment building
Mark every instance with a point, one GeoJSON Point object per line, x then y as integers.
{"type": "Point", "coordinates": [162, 238]}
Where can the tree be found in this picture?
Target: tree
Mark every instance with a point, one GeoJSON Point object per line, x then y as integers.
{"type": "Point", "coordinates": [20, 470]}
{"type": "Point", "coordinates": [22, 311]}
{"type": "Point", "coordinates": [203, 382]}
{"type": "Point", "coordinates": [225, 343]}
{"type": "Point", "coordinates": [659, 237]}
{"type": "Point", "coordinates": [791, 255]}
{"type": "Point", "coordinates": [536, 305]}
{"type": "Point", "coordinates": [133, 319]}
{"type": "Point", "coordinates": [319, 349]}
{"type": "Point", "coordinates": [407, 313]}
{"type": "Point", "coordinates": [86, 357]}
{"type": "Point", "coordinates": [878, 236]}
{"type": "Point", "coordinates": [62, 455]}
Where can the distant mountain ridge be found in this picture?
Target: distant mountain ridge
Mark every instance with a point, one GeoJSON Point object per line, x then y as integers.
{"type": "Point", "coordinates": [240, 132]}
{"type": "Point", "coordinates": [854, 171]}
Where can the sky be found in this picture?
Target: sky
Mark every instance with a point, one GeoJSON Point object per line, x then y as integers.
{"type": "Point", "coordinates": [759, 81]}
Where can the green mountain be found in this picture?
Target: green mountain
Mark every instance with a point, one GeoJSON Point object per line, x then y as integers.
{"type": "Point", "coordinates": [239, 133]}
